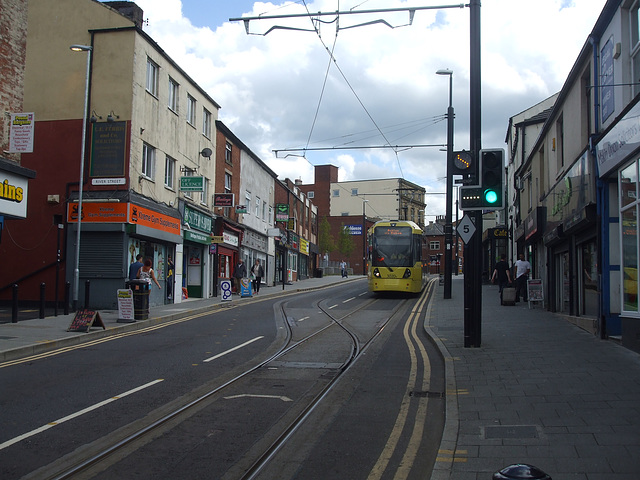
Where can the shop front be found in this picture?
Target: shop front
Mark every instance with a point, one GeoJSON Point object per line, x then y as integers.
{"type": "Point", "coordinates": [571, 241]}
{"type": "Point", "coordinates": [112, 235]}
{"type": "Point", "coordinates": [227, 250]}
{"type": "Point", "coordinates": [617, 158]}
{"type": "Point", "coordinates": [196, 261]}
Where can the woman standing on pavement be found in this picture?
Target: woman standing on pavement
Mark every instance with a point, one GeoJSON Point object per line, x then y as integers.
{"type": "Point", "coordinates": [257, 272]}
{"type": "Point", "coordinates": [146, 273]}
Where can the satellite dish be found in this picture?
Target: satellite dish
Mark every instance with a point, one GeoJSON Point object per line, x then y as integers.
{"type": "Point", "coordinates": [206, 152]}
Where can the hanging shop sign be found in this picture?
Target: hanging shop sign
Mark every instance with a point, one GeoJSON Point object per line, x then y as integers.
{"type": "Point", "coordinates": [21, 133]}
{"type": "Point", "coordinates": [282, 212]}
{"type": "Point", "coordinates": [223, 200]}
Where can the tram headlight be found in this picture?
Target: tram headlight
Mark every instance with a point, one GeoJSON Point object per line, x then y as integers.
{"type": "Point", "coordinates": [376, 273]}
{"type": "Point", "coordinates": [407, 273]}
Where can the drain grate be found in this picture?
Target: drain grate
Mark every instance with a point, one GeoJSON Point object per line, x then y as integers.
{"type": "Point", "coordinates": [426, 394]}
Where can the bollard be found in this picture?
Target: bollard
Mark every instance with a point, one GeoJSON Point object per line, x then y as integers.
{"type": "Point", "coordinates": [67, 297]}
{"type": "Point", "coordinates": [14, 304]}
{"type": "Point", "coordinates": [87, 287]}
{"type": "Point", "coordinates": [42, 299]}
{"type": "Point", "coordinates": [521, 471]}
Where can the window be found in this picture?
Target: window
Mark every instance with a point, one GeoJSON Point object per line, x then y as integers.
{"type": "Point", "coordinates": [173, 95]}
{"type": "Point", "coordinates": [206, 123]}
{"type": "Point", "coordinates": [227, 182]}
{"type": "Point", "coordinates": [152, 77]}
{"type": "Point", "coordinates": [434, 245]}
{"type": "Point", "coordinates": [560, 143]}
{"type": "Point", "coordinates": [354, 192]}
{"type": "Point", "coordinates": [227, 154]}
{"type": "Point", "coordinates": [336, 193]}
{"type": "Point", "coordinates": [311, 195]}
{"type": "Point", "coordinates": [628, 204]}
{"type": "Point", "coordinates": [264, 211]}
{"type": "Point", "coordinates": [247, 200]}
{"type": "Point", "coordinates": [191, 110]}
{"type": "Point", "coordinates": [188, 172]}
{"type": "Point", "coordinates": [169, 171]}
{"type": "Point", "coordinates": [148, 160]}
{"type": "Point", "coordinates": [258, 207]}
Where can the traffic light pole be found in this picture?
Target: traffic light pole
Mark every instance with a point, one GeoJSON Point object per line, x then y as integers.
{"type": "Point", "coordinates": [473, 250]}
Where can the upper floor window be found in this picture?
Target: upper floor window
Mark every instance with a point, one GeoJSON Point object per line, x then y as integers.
{"type": "Point", "coordinates": [434, 245]}
{"type": "Point", "coordinates": [258, 207]}
{"type": "Point", "coordinates": [227, 182]}
{"type": "Point", "coordinates": [206, 123]}
{"type": "Point", "coordinates": [205, 191]}
{"type": "Point", "coordinates": [354, 192]}
{"type": "Point", "coordinates": [152, 77]}
{"type": "Point", "coordinates": [173, 95]}
{"type": "Point", "coordinates": [148, 160]}
{"type": "Point", "coordinates": [227, 154]}
{"type": "Point", "coordinates": [169, 172]}
{"type": "Point", "coordinates": [311, 194]}
{"type": "Point", "coordinates": [191, 110]}
{"type": "Point", "coordinates": [336, 193]}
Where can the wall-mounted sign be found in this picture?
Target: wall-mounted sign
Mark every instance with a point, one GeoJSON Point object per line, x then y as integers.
{"type": "Point", "coordinates": [13, 195]}
{"type": "Point", "coordinates": [108, 149]}
{"type": "Point", "coordinates": [21, 133]}
{"type": "Point", "coordinates": [192, 184]}
{"type": "Point", "coordinates": [223, 200]}
{"type": "Point", "coordinates": [241, 209]}
{"type": "Point", "coordinates": [197, 220]}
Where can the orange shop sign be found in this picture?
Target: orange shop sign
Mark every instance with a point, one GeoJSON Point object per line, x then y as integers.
{"type": "Point", "coordinates": [114, 212]}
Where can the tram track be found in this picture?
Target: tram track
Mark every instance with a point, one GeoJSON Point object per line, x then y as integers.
{"type": "Point", "coordinates": [114, 447]}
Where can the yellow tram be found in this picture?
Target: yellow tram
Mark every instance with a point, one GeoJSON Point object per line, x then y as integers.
{"type": "Point", "coordinates": [395, 257]}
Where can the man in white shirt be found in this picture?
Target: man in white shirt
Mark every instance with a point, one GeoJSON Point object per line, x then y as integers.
{"type": "Point", "coordinates": [522, 274]}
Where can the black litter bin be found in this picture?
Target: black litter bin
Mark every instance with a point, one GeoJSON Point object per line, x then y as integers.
{"type": "Point", "coordinates": [141, 291]}
{"type": "Point", "coordinates": [319, 273]}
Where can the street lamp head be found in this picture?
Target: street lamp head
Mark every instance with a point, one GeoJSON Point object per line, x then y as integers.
{"type": "Point", "coordinates": [444, 71]}
{"type": "Point", "coordinates": [81, 48]}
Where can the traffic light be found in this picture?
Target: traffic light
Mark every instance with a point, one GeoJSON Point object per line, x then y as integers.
{"type": "Point", "coordinates": [489, 193]}
{"type": "Point", "coordinates": [462, 163]}
{"type": "Point", "coordinates": [492, 178]}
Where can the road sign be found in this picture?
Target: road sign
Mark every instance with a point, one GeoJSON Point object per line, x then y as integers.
{"type": "Point", "coordinates": [466, 229]}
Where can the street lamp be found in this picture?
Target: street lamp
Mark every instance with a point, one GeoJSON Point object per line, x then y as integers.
{"type": "Point", "coordinates": [76, 273]}
{"type": "Point", "coordinates": [448, 227]}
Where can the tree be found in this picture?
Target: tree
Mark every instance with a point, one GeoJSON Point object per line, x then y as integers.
{"type": "Point", "coordinates": [325, 240]}
{"type": "Point", "coordinates": [345, 241]}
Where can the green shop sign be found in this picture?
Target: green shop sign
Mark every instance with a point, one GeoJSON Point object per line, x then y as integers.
{"type": "Point", "coordinates": [192, 184]}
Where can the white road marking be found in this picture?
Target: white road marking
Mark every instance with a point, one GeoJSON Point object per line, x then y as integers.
{"type": "Point", "coordinates": [8, 443]}
{"type": "Point", "coordinates": [349, 299]}
{"type": "Point", "coordinates": [332, 306]}
{"type": "Point", "coordinates": [303, 319]}
{"type": "Point", "coordinates": [233, 349]}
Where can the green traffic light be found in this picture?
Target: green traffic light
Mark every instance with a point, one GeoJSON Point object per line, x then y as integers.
{"type": "Point", "coordinates": [490, 196]}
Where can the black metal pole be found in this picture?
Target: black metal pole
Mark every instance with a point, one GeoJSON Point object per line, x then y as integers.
{"type": "Point", "coordinates": [448, 227]}
{"type": "Point", "coordinates": [14, 304]}
{"type": "Point", "coordinates": [67, 297]}
{"type": "Point", "coordinates": [473, 249]}
{"type": "Point", "coordinates": [42, 299]}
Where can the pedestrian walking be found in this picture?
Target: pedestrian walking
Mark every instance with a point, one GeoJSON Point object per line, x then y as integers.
{"type": "Point", "coordinates": [146, 273]}
{"type": "Point", "coordinates": [523, 267]}
{"type": "Point", "coordinates": [135, 267]}
{"type": "Point", "coordinates": [257, 272]}
{"type": "Point", "coordinates": [239, 272]}
{"type": "Point", "coordinates": [501, 274]}
{"type": "Point", "coordinates": [170, 268]}
{"type": "Point", "coordinates": [343, 269]}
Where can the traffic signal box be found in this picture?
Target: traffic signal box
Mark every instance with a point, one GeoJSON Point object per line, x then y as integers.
{"type": "Point", "coordinates": [488, 194]}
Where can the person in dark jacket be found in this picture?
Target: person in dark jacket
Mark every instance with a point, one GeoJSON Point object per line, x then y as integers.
{"type": "Point", "coordinates": [257, 272]}
{"type": "Point", "coordinates": [501, 274]}
{"type": "Point", "coordinates": [239, 272]}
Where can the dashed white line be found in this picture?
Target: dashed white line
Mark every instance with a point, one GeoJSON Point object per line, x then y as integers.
{"type": "Point", "coordinates": [233, 349]}
{"type": "Point", "coordinates": [49, 425]}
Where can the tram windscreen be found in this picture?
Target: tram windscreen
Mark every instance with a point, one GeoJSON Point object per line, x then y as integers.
{"type": "Point", "coordinates": [392, 247]}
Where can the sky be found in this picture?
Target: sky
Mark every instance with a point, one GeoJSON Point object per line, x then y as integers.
{"type": "Point", "coordinates": [330, 94]}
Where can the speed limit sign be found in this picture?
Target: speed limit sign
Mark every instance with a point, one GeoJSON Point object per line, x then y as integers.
{"type": "Point", "coordinates": [466, 229]}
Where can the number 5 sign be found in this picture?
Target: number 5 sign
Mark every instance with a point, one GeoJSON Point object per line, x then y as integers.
{"type": "Point", "coordinates": [466, 229]}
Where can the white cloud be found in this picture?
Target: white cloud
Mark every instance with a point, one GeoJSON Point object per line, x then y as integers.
{"type": "Point", "coordinates": [270, 86]}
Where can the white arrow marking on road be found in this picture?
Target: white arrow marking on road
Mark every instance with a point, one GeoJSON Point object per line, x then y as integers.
{"type": "Point", "coordinates": [277, 397]}
{"type": "Point", "coordinates": [233, 349]}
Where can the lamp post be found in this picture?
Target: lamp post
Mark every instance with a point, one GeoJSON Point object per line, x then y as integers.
{"type": "Point", "coordinates": [364, 238]}
{"type": "Point", "coordinates": [448, 227]}
{"type": "Point", "coordinates": [76, 273]}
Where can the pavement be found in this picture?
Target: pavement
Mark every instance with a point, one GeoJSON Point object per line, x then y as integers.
{"type": "Point", "coordinates": [539, 390]}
